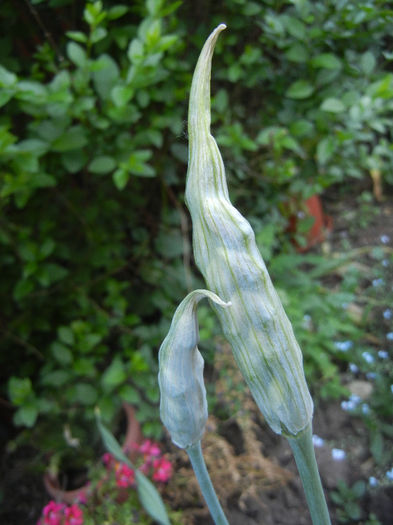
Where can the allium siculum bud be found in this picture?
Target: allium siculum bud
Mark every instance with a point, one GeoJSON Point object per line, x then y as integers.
{"type": "Point", "coordinates": [225, 251]}
{"type": "Point", "coordinates": [183, 405]}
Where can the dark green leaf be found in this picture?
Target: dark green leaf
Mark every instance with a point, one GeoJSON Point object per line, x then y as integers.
{"type": "Point", "coordinates": [26, 415]}
{"type": "Point", "coordinates": [76, 54]}
{"type": "Point", "coordinates": [121, 95]}
{"type": "Point", "coordinates": [332, 105]}
{"type": "Point", "coordinates": [73, 138]}
{"type": "Point", "coordinates": [120, 178]}
{"type": "Point", "coordinates": [300, 89]}
{"type": "Point", "coordinates": [114, 375]}
{"type": "Point", "coordinates": [327, 61]}
{"type": "Point", "coordinates": [61, 353]}
{"type": "Point", "coordinates": [102, 164]}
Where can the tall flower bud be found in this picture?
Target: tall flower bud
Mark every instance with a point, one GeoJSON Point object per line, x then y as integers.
{"type": "Point", "coordinates": [183, 405]}
{"type": "Point", "coordinates": [225, 251]}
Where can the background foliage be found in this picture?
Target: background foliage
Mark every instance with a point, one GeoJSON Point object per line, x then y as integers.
{"type": "Point", "coordinates": [95, 248]}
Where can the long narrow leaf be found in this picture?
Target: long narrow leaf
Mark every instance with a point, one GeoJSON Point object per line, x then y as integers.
{"type": "Point", "coordinates": [148, 494]}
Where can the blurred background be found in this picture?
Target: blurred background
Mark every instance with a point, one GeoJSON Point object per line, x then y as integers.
{"type": "Point", "coordinates": [96, 240]}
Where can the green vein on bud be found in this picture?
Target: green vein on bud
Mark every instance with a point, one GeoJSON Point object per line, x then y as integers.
{"type": "Point", "coordinates": [225, 251]}
{"type": "Point", "coordinates": [183, 405]}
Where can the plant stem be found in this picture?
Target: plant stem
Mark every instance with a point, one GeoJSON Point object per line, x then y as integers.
{"type": "Point", "coordinates": [198, 464]}
{"type": "Point", "coordinates": [303, 450]}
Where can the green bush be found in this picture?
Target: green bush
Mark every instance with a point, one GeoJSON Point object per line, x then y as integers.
{"type": "Point", "coordinates": [94, 237]}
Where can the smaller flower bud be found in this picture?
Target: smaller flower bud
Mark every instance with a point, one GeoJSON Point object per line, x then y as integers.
{"type": "Point", "coordinates": [183, 405]}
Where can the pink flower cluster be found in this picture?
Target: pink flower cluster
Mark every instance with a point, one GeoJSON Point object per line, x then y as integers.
{"type": "Point", "coordinates": [60, 514]}
{"type": "Point", "coordinates": [153, 464]}
{"type": "Point", "coordinates": [149, 460]}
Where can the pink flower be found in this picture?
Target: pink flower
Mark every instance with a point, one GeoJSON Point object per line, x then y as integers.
{"type": "Point", "coordinates": [125, 476]}
{"type": "Point", "coordinates": [53, 513]}
{"type": "Point", "coordinates": [162, 469]}
{"type": "Point", "coordinates": [108, 459]}
{"type": "Point", "coordinates": [73, 515]}
{"type": "Point", "coordinates": [149, 448]}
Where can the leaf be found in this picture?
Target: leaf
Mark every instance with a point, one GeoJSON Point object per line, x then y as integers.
{"type": "Point", "coordinates": [5, 97]}
{"type": "Point", "coordinates": [148, 494]}
{"type": "Point", "coordinates": [377, 447]}
{"type": "Point", "coordinates": [332, 105]}
{"type": "Point", "coordinates": [19, 390]}
{"type": "Point", "coordinates": [76, 54]}
{"type": "Point", "coordinates": [26, 415]}
{"type": "Point", "coordinates": [294, 27]}
{"type": "Point", "coordinates": [73, 138]}
{"type": "Point", "coordinates": [300, 89]}
{"type": "Point", "coordinates": [301, 128]}
{"type": "Point", "coordinates": [61, 353]}
{"type": "Point", "coordinates": [151, 499]}
{"type": "Point", "coordinates": [135, 51]}
{"type": "Point", "coordinates": [117, 11]}
{"type": "Point", "coordinates": [120, 178]}
{"type": "Point", "coordinates": [78, 36]}
{"type": "Point", "coordinates": [129, 394]}
{"type": "Point", "coordinates": [102, 164]}
{"type": "Point", "coordinates": [74, 160]}
{"type": "Point", "coordinates": [121, 95]}
{"type": "Point", "coordinates": [327, 61]}
{"type": "Point", "coordinates": [66, 335]}
{"type": "Point", "coordinates": [297, 53]}
{"type": "Point", "coordinates": [7, 78]}
{"type": "Point", "coordinates": [56, 378]}
{"type": "Point", "coordinates": [153, 7]}
{"type": "Point", "coordinates": [99, 33]}
{"type": "Point", "coordinates": [105, 75]}
{"type": "Point", "coordinates": [85, 393]}
{"type": "Point", "coordinates": [51, 273]}
{"type": "Point", "coordinates": [325, 149]}
{"type": "Point", "coordinates": [114, 375]}
{"type": "Point", "coordinates": [367, 62]}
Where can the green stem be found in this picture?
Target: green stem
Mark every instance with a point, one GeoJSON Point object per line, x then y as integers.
{"type": "Point", "coordinates": [198, 464]}
{"type": "Point", "coordinates": [303, 450]}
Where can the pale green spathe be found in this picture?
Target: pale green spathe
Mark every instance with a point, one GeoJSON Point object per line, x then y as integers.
{"type": "Point", "coordinates": [183, 405]}
{"type": "Point", "coordinates": [225, 251]}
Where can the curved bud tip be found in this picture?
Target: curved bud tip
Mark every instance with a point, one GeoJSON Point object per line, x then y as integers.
{"type": "Point", "coordinates": [183, 405]}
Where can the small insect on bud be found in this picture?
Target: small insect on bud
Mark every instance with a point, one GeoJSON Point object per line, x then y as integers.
{"type": "Point", "coordinates": [183, 405]}
{"type": "Point", "coordinates": [225, 250]}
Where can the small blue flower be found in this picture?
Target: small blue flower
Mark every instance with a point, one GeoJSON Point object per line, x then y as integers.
{"type": "Point", "coordinates": [343, 346]}
{"type": "Point", "coordinates": [373, 482]}
{"type": "Point", "coordinates": [348, 406]}
{"type": "Point", "coordinates": [378, 282]}
{"type": "Point", "coordinates": [368, 357]}
{"type": "Point", "coordinates": [371, 375]}
{"type": "Point", "coordinates": [338, 454]}
{"type": "Point", "coordinates": [384, 239]}
{"type": "Point", "coordinates": [387, 314]}
{"type": "Point", "coordinates": [383, 354]}
{"type": "Point", "coordinates": [391, 388]}
{"type": "Point", "coordinates": [389, 336]}
{"type": "Point", "coordinates": [389, 474]}
{"type": "Point", "coordinates": [318, 442]}
{"type": "Point", "coordinates": [385, 263]}
{"type": "Point", "coordinates": [365, 409]}
{"type": "Point", "coordinates": [353, 368]}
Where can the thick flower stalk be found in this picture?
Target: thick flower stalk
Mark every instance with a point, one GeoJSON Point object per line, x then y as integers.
{"type": "Point", "coordinates": [256, 325]}
{"type": "Point", "coordinates": [225, 250]}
